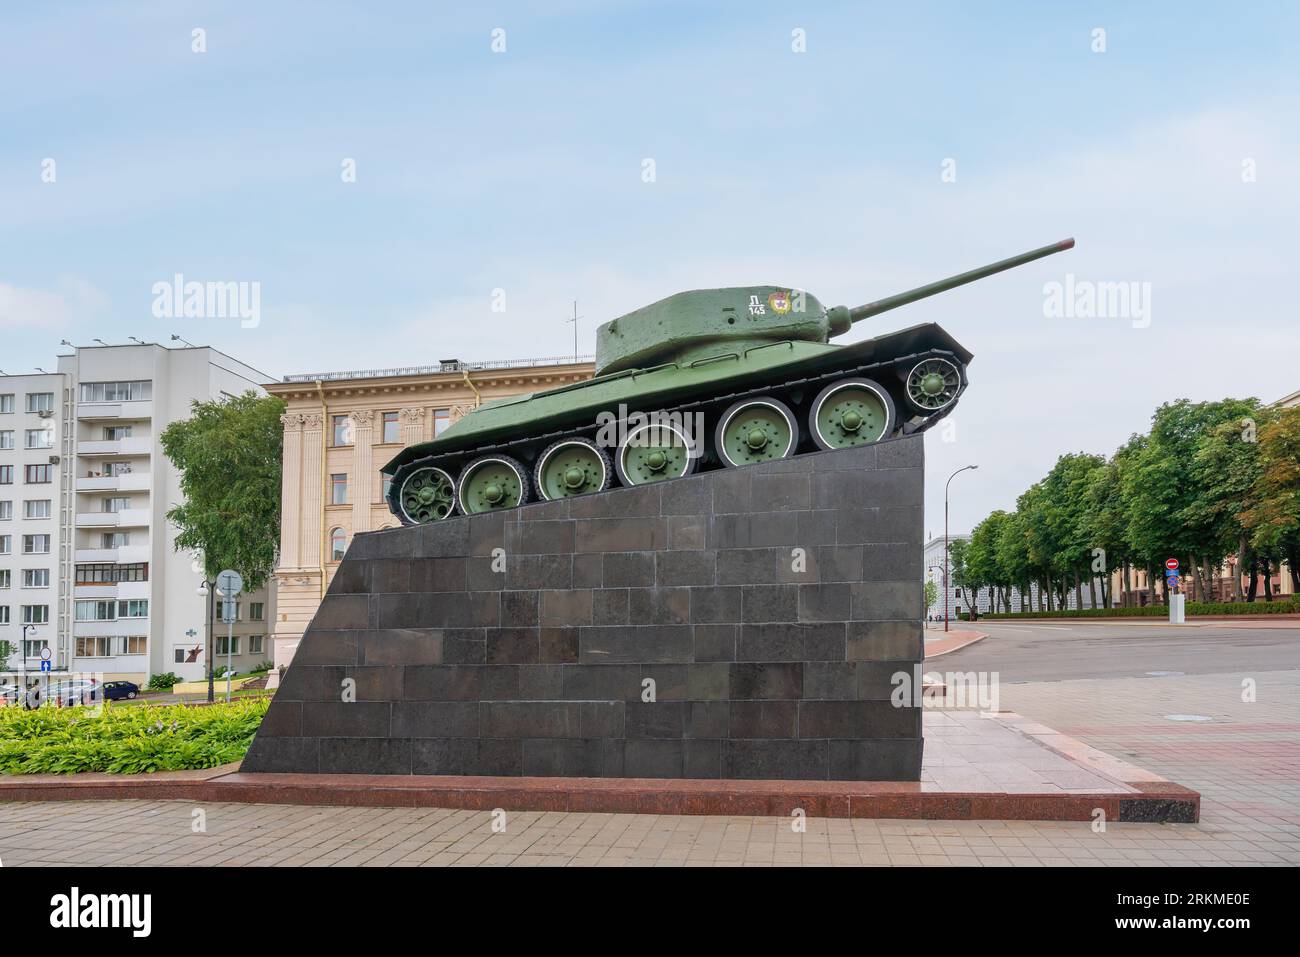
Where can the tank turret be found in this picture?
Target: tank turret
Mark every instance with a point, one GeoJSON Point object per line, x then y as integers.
{"type": "Point", "coordinates": [710, 378]}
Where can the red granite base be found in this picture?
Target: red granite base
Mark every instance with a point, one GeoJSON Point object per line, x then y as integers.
{"type": "Point", "coordinates": [1044, 776]}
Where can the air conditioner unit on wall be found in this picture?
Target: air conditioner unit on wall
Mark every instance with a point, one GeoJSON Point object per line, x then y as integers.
{"type": "Point", "coordinates": [54, 460]}
{"type": "Point", "coordinates": [46, 413]}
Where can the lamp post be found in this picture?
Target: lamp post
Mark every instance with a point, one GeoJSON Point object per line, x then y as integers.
{"type": "Point", "coordinates": [22, 656]}
{"type": "Point", "coordinates": [946, 566]}
{"type": "Point", "coordinates": [931, 568]}
{"type": "Point", "coordinates": [206, 590]}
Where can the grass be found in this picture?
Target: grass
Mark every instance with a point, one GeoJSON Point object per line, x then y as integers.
{"type": "Point", "coordinates": [127, 740]}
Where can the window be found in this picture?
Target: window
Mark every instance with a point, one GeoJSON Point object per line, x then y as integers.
{"type": "Point", "coordinates": [38, 438]}
{"type": "Point", "coordinates": [342, 429]}
{"type": "Point", "coordinates": [38, 474]}
{"type": "Point", "coordinates": [339, 489]}
{"type": "Point", "coordinates": [36, 508]}
{"type": "Point", "coordinates": [33, 647]}
{"type": "Point", "coordinates": [338, 544]}
{"type": "Point", "coordinates": [392, 429]}
{"type": "Point", "coordinates": [441, 419]}
{"type": "Point", "coordinates": [7, 439]}
{"type": "Point", "coordinates": [36, 614]}
{"type": "Point", "coordinates": [180, 656]}
{"type": "Point", "coordinates": [6, 475]}
{"type": "Point", "coordinates": [36, 544]}
{"type": "Point", "coordinates": [115, 433]}
{"type": "Point", "coordinates": [255, 644]}
{"type": "Point", "coordinates": [4, 614]}
{"type": "Point", "coordinates": [4, 578]}
{"type": "Point", "coordinates": [104, 646]}
{"type": "Point", "coordinates": [6, 511]}
{"type": "Point", "coordinates": [116, 504]}
{"type": "Point", "coordinates": [6, 543]}
{"type": "Point", "coordinates": [40, 401]}
{"type": "Point", "coordinates": [93, 647]}
{"type": "Point", "coordinates": [115, 539]}
{"type": "Point", "coordinates": [36, 578]}
{"type": "Point", "coordinates": [116, 391]}
{"type": "Point", "coordinates": [256, 611]}
{"type": "Point", "coordinates": [105, 574]}
{"type": "Point", "coordinates": [224, 640]}
{"type": "Point", "coordinates": [6, 403]}
{"type": "Point", "coordinates": [114, 469]}
{"type": "Point", "coordinates": [109, 610]}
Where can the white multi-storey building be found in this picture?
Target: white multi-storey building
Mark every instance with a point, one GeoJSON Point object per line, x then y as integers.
{"type": "Point", "coordinates": [30, 493]}
{"type": "Point", "coordinates": [121, 599]}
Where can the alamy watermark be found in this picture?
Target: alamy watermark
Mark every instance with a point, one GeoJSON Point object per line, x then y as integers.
{"type": "Point", "coordinates": [1090, 299]}
{"type": "Point", "coordinates": [179, 299]}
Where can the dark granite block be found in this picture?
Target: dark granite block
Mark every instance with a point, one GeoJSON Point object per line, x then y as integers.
{"type": "Point", "coordinates": [885, 640]}
{"type": "Point", "coordinates": [833, 680]}
{"type": "Point", "coordinates": [347, 719]}
{"type": "Point", "coordinates": [342, 612]}
{"type": "Point", "coordinates": [876, 759]}
{"type": "Point", "coordinates": [365, 756]}
{"type": "Point", "coordinates": [660, 719]}
{"type": "Point", "coordinates": [393, 575]}
{"type": "Point", "coordinates": [764, 719]}
{"type": "Point", "coordinates": [874, 601]}
{"type": "Point", "coordinates": [774, 493]}
{"type": "Point", "coordinates": [857, 719]}
{"type": "Point", "coordinates": [352, 577]}
{"type": "Point", "coordinates": [776, 760]}
{"type": "Point", "coordinates": [547, 538]}
{"type": "Point", "coordinates": [707, 719]}
{"type": "Point", "coordinates": [769, 603]}
{"type": "Point", "coordinates": [513, 646]}
{"type": "Point", "coordinates": [397, 646]}
{"type": "Point", "coordinates": [766, 680]}
{"type": "Point", "coordinates": [609, 606]}
{"type": "Point", "coordinates": [747, 566]}
{"type": "Point", "coordinates": [626, 643]}
{"type": "Point", "coordinates": [687, 533]}
{"type": "Point", "coordinates": [434, 574]}
{"type": "Point", "coordinates": [629, 569]}
{"type": "Point", "coordinates": [715, 604]}
{"type": "Point", "coordinates": [828, 602]}
{"type": "Point", "coordinates": [621, 534]}
{"type": "Point", "coordinates": [559, 646]}
{"type": "Point", "coordinates": [731, 491]}
{"type": "Point", "coordinates": [275, 754]}
{"type": "Point", "coordinates": [538, 571]}
{"type": "Point", "coordinates": [463, 646]}
{"type": "Point", "coordinates": [665, 606]}
{"type": "Point", "coordinates": [653, 758]}
{"type": "Point", "coordinates": [716, 642]}
{"type": "Point", "coordinates": [435, 719]}
{"type": "Point", "coordinates": [332, 648]}
{"type": "Point", "coordinates": [685, 568]}
{"type": "Point", "coordinates": [518, 609]}
{"type": "Point", "coordinates": [702, 758]}
{"type": "Point", "coordinates": [588, 570]}
{"type": "Point", "coordinates": [884, 562]}
{"type": "Point", "coordinates": [567, 608]}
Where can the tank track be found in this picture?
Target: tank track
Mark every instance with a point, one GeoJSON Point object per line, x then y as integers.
{"type": "Point", "coordinates": [895, 383]}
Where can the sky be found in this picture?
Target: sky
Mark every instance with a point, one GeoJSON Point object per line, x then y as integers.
{"type": "Point", "coordinates": [850, 149]}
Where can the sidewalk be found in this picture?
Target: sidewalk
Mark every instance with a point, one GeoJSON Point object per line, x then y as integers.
{"type": "Point", "coordinates": [939, 642]}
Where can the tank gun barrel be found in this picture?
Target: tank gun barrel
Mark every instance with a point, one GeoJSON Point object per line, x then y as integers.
{"type": "Point", "coordinates": [952, 282]}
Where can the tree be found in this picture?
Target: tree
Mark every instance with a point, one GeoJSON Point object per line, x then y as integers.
{"type": "Point", "coordinates": [229, 456]}
{"type": "Point", "coordinates": [931, 595]}
{"type": "Point", "coordinates": [1012, 551]}
{"type": "Point", "coordinates": [957, 567]}
{"type": "Point", "coordinates": [1273, 517]}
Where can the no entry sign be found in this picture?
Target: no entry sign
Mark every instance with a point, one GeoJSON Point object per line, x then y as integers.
{"type": "Point", "coordinates": [1171, 563]}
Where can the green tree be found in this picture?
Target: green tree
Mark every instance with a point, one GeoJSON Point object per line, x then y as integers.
{"type": "Point", "coordinates": [1273, 516]}
{"type": "Point", "coordinates": [957, 568]}
{"type": "Point", "coordinates": [931, 594]}
{"type": "Point", "coordinates": [229, 456]}
{"type": "Point", "coordinates": [1012, 551]}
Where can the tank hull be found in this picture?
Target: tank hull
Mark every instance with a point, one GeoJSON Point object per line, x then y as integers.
{"type": "Point", "coordinates": [793, 371]}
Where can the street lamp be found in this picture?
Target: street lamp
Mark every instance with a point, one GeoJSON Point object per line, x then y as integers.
{"type": "Point", "coordinates": [930, 568]}
{"type": "Point", "coordinates": [206, 590]}
{"type": "Point", "coordinates": [945, 540]}
{"type": "Point", "coordinates": [22, 656]}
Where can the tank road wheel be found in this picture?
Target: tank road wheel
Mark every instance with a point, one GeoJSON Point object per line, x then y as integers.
{"type": "Point", "coordinates": [933, 384]}
{"type": "Point", "coordinates": [427, 495]}
{"type": "Point", "coordinates": [851, 412]}
{"type": "Point", "coordinates": [492, 483]}
{"type": "Point", "coordinates": [652, 453]}
{"type": "Point", "coordinates": [572, 467]}
{"type": "Point", "coordinates": [756, 430]}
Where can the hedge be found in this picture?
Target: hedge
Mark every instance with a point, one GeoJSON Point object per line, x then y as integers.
{"type": "Point", "coordinates": [126, 740]}
{"type": "Point", "coordinates": [1290, 607]}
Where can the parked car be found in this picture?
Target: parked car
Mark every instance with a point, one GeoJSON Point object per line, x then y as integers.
{"type": "Point", "coordinates": [9, 694]}
{"type": "Point", "coordinates": [117, 690]}
{"type": "Point", "coordinates": [69, 693]}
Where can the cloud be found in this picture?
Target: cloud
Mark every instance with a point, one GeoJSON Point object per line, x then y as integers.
{"type": "Point", "coordinates": [73, 300]}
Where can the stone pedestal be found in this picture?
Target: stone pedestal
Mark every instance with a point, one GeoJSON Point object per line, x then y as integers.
{"type": "Point", "coordinates": [743, 623]}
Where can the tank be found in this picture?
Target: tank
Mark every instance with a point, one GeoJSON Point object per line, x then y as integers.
{"type": "Point", "coordinates": [705, 379]}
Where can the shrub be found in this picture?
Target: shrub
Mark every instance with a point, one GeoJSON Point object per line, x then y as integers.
{"type": "Point", "coordinates": [164, 681]}
{"type": "Point", "coordinates": [127, 740]}
{"type": "Point", "coordinates": [1291, 607]}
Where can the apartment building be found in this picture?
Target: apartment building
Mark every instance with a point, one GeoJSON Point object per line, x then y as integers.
{"type": "Point", "coordinates": [340, 428]}
{"type": "Point", "coordinates": [31, 407]}
{"type": "Point", "coordinates": [128, 602]}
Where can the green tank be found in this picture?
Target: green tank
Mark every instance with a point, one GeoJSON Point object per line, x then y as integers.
{"type": "Point", "coordinates": [711, 378]}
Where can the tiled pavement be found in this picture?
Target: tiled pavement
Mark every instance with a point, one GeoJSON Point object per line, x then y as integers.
{"type": "Point", "coordinates": [1244, 761]}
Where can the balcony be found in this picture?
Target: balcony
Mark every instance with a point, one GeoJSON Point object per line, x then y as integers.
{"type": "Point", "coordinates": [113, 628]}
{"type": "Point", "coordinates": [128, 482]}
{"type": "Point", "coordinates": [127, 518]}
{"type": "Point", "coordinates": [133, 446]}
{"type": "Point", "coordinates": [124, 555]}
{"type": "Point", "coordinates": [111, 590]}
{"type": "Point", "coordinates": [115, 411]}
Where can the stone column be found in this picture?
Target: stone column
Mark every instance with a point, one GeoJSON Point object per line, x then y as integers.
{"type": "Point", "coordinates": [363, 479]}
{"type": "Point", "coordinates": [291, 492]}
{"type": "Point", "coordinates": [312, 481]}
{"type": "Point", "coordinates": [413, 424]}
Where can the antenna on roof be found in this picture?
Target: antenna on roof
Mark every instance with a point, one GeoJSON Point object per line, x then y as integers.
{"type": "Point", "coordinates": [574, 320]}
{"type": "Point", "coordinates": [176, 338]}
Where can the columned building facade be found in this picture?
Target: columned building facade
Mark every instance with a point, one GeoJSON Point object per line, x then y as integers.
{"type": "Point", "coordinates": [339, 430]}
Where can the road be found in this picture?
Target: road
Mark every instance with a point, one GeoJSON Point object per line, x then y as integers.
{"type": "Point", "coordinates": [1059, 651]}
